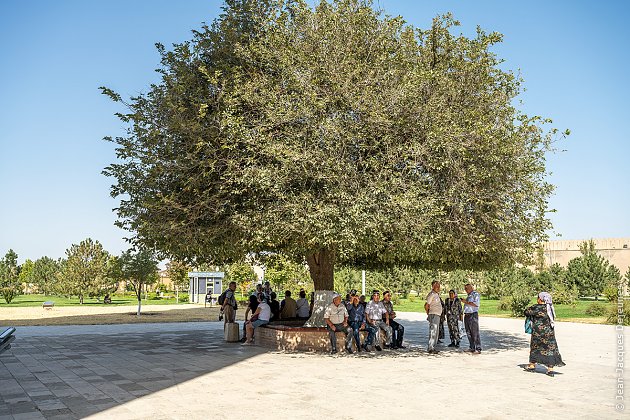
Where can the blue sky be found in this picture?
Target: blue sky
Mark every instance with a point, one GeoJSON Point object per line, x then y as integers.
{"type": "Point", "coordinates": [573, 56]}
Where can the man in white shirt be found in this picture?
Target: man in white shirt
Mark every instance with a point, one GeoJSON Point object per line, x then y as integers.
{"type": "Point", "coordinates": [374, 313]}
{"type": "Point", "coordinates": [433, 306]}
{"type": "Point", "coordinates": [336, 317]}
{"type": "Point", "coordinates": [471, 319]}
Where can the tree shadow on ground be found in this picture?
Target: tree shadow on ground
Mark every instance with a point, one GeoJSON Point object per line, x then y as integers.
{"type": "Point", "coordinates": [76, 373]}
{"type": "Point", "coordinates": [492, 341]}
{"type": "Point", "coordinates": [75, 376]}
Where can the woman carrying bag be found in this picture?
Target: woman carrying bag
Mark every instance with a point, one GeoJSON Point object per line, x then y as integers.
{"type": "Point", "coordinates": [543, 346]}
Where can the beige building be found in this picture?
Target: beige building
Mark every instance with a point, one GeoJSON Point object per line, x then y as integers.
{"type": "Point", "coordinates": [616, 251]}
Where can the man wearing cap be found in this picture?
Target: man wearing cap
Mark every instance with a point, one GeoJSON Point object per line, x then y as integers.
{"type": "Point", "coordinates": [374, 313]}
{"type": "Point", "coordinates": [336, 317]}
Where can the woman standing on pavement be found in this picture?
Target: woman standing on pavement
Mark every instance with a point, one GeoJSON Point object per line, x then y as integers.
{"type": "Point", "coordinates": [543, 346]}
{"type": "Point", "coordinates": [454, 314]}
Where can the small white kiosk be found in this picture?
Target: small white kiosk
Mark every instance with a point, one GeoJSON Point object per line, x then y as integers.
{"type": "Point", "coordinates": [204, 282]}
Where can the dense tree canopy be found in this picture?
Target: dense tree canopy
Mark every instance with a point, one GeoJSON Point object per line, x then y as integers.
{"type": "Point", "coordinates": [336, 135]}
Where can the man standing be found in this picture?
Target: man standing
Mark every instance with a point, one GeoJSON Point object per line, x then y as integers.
{"type": "Point", "coordinates": [471, 319]}
{"type": "Point", "coordinates": [433, 306]}
{"type": "Point", "coordinates": [267, 291]}
{"type": "Point", "coordinates": [374, 313]}
{"type": "Point", "coordinates": [336, 317]}
{"type": "Point", "coordinates": [397, 330]}
{"type": "Point", "coordinates": [229, 304]}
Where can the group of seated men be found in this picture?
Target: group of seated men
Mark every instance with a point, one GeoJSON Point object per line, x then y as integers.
{"type": "Point", "coordinates": [353, 316]}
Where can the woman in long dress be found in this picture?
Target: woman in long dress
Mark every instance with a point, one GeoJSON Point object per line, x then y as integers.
{"type": "Point", "coordinates": [454, 313]}
{"type": "Point", "coordinates": [543, 347]}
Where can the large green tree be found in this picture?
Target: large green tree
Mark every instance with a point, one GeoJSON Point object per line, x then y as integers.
{"type": "Point", "coordinates": [336, 135]}
{"type": "Point", "coordinates": [85, 269]}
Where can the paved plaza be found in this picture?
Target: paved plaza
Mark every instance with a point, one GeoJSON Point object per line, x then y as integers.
{"type": "Point", "coordinates": [186, 371]}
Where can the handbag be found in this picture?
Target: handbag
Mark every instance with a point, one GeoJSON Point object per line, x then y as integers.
{"type": "Point", "coordinates": [462, 329]}
{"type": "Point", "coordinates": [528, 325]}
{"type": "Point", "coordinates": [253, 318]}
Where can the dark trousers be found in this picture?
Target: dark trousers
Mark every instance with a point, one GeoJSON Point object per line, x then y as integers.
{"type": "Point", "coordinates": [397, 333]}
{"type": "Point", "coordinates": [333, 338]}
{"type": "Point", "coordinates": [471, 322]}
{"type": "Point", "coordinates": [356, 327]}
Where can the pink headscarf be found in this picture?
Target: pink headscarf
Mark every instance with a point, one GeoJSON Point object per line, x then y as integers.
{"type": "Point", "coordinates": [546, 298]}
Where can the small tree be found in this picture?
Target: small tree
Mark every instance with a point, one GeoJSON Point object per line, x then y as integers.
{"type": "Point", "coordinates": [139, 268]}
{"type": "Point", "coordinates": [178, 274]}
{"type": "Point", "coordinates": [84, 270]}
{"type": "Point", "coordinates": [243, 274]}
{"type": "Point", "coordinates": [283, 273]}
{"type": "Point", "coordinates": [26, 275]}
{"type": "Point", "coordinates": [44, 274]}
{"type": "Point", "coordinates": [9, 276]}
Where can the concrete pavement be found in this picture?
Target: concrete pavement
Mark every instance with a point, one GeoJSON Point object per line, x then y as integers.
{"type": "Point", "coordinates": [186, 371]}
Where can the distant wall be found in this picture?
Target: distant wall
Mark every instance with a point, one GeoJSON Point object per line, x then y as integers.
{"type": "Point", "coordinates": [616, 251]}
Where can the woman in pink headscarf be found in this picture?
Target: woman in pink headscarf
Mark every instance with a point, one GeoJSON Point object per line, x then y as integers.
{"type": "Point", "coordinates": [543, 347]}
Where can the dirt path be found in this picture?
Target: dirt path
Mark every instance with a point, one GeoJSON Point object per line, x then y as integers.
{"type": "Point", "coordinates": [106, 314]}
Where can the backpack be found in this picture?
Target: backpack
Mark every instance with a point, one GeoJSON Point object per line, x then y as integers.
{"type": "Point", "coordinates": [222, 298]}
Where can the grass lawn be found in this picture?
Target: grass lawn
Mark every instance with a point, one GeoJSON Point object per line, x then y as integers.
{"type": "Point", "coordinates": [128, 299]}
{"type": "Point", "coordinates": [489, 307]}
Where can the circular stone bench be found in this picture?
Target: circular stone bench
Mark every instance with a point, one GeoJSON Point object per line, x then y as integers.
{"type": "Point", "coordinates": [292, 336]}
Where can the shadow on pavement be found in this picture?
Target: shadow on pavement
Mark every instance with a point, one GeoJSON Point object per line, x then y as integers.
{"type": "Point", "coordinates": [69, 372]}
{"type": "Point", "coordinates": [74, 376]}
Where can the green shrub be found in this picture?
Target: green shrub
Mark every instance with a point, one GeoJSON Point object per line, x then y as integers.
{"type": "Point", "coordinates": [412, 299]}
{"type": "Point", "coordinates": [611, 293]}
{"type": "Point", "coordinates": [395, 298]}
{"type": "Point", "coordinates": [519, 302]}
{"type": "Point", "coordinates": [505, 304]}
{"type": "Point", "coordinates": [614, 317]}
{"type": "Point", "coordinates": [596, 309]}
{"type": "Point", "coordinates": [8, 293]}
{"type": "Point", "coordinates": [564, 295]}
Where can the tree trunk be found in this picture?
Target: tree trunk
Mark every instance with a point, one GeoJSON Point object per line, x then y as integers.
{"type": "Point", "coordinates": [321, 267]}
{"type": "Point", "coordinates": [139, 305]}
